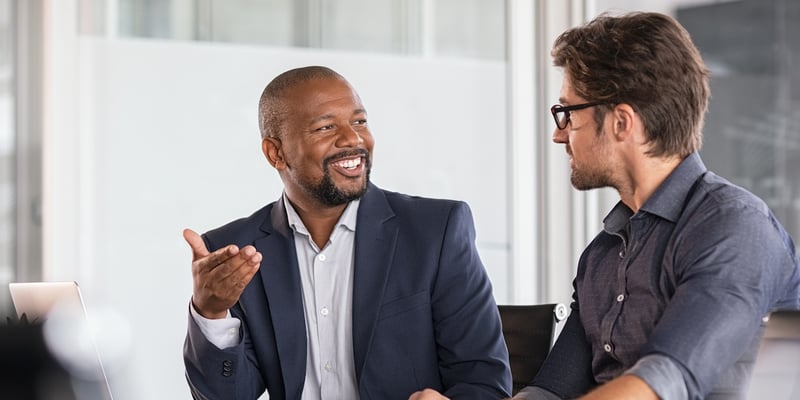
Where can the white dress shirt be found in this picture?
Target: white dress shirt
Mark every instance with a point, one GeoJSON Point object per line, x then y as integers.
{"type": "Point", "coordinates": [326, 277]}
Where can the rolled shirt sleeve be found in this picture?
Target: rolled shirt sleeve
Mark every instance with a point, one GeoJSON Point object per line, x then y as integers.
{"type": "Point", "coordinates": [662, 375]}
{"type": "Point", "coordinates": [535, 393]}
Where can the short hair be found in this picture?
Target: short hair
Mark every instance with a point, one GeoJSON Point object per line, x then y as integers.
{"type": "Point", "coordinates": [646, 60]}
{"type": "Point", "coordinates": [271, 108]}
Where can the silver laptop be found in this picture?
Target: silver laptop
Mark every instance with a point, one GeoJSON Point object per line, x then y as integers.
{"type": "Point", "coordinates": [60, 309]}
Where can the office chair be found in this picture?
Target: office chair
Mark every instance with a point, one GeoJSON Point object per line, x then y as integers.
{"type": "Point", "coordinates": [776, 373]}
{"type": "Point", "coordinates": [529, 332]}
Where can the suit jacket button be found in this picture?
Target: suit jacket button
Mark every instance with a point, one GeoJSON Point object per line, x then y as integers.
{"type": "Point", "coordinates": [227, 368]}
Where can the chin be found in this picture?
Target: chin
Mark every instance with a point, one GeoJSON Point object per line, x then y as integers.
{"type": "Point", "coordinates": [582, 182]}
{"type": "Point", "coordinates": [355, 191]}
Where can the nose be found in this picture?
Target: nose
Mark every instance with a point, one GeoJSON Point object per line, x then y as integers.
{"type": "Point", "coordinates": [349, 137]}
{"type": "Point", "coordinates": [560, 136]}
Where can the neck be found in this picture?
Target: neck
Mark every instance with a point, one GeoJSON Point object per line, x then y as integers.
{"type": "Point", "coordinates": [644, 178]}
{"type": "Point", "coordinates": [319, 220]}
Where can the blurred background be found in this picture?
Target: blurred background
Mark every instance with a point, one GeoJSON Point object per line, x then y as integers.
{"type": "Point", "coordinates": [121, 119]}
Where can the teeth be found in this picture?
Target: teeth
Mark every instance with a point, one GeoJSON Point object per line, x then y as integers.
{"type": "Point", "coordinates": [349, 164]}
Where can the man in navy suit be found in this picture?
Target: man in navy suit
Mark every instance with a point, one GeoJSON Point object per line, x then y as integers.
{"type": "Point", "coordinates": [339, 289]}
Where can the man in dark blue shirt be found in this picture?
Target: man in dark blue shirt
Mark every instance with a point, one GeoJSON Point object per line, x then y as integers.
{"type": "Point", "coordinates": [670, 298]}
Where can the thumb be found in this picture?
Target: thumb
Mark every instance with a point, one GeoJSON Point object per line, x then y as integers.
{"type": "Point", "coordinates": [196, 243]}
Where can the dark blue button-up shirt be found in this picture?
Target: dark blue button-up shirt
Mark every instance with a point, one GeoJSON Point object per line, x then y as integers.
{"type": "Point", "coordinates": [688, 278]}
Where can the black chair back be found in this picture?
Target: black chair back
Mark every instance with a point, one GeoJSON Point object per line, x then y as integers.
{"type": "Point", "coordinates": [529, 332]}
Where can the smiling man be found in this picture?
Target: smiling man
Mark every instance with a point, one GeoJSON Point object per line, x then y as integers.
{"type": "Point", "coordinates": [339, 290]}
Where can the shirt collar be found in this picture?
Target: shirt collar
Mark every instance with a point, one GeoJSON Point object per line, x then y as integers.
{"type": "Point", "coordinates": [347, 220]}
{"type": "Point", "coordinates": [667, 201]}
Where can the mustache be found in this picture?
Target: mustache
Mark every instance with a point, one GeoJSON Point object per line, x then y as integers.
{"type": "Point", "coordinates": [347, 153]}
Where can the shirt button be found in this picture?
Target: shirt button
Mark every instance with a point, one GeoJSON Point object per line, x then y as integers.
{"type": "Point", "coordinates": [607, 348]}
{"type": "Point", "coordinates": [620, 298]}
{"type": "Point", "coordinates": [321, 257]}
{"type": "Point", "coordinates": [324, 311]}
{"type": "Point", "coordinates": [328, 367]}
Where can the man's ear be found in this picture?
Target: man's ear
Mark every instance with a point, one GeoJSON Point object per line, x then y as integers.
{"type": "Point", "coordinates": [272, 148]}
{"type": "Point", "coordinates": [624, 121]}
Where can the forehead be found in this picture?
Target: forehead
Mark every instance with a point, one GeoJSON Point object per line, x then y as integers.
{"type": "Point", "coordinates": [569, 96]}
{"type": "Point", "coordinates": [321, 95]}
{"type": "Point", "coordinates": [567, 93]}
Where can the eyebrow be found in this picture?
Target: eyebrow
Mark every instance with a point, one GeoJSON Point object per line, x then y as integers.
{"type": "Point", "coordinates": [331, 116]}
{"type": "Point", "coordinates": [321, 118]}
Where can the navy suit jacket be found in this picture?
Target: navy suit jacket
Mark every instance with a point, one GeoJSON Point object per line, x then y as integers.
{"type": "Point", "coordinates": [423, 311]}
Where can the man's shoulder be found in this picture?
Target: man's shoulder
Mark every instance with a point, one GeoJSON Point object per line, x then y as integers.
{"type": "Point", "coordinates": [416, 204]}
{"type": "Point", "coordinates": [241, 231]}
{"type": "Point", "coordinates": [720, 192]}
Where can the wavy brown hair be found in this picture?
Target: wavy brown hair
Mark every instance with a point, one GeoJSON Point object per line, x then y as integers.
{"type": "Point", "coordinates": [646, 60]}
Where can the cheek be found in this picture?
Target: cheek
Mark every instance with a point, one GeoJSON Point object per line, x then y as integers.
{"type": "Point", "coordinates": [369, 143]}
{"type": "Point", "coordinates": [366, 136]}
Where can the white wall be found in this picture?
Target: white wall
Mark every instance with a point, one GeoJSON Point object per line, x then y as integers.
{"type": "Point", "coordinates": [170, 140]}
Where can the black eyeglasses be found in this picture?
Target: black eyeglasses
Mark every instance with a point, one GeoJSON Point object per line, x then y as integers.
{"type": "Point", "coordinates": [561, 113]}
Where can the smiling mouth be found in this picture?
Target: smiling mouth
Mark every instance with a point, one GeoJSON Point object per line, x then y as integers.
{"type": "Point", "coordinates": [348, 164]}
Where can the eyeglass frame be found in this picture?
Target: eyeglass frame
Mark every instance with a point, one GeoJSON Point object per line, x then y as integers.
{"type": "Point", "coordinates": [558, 108]}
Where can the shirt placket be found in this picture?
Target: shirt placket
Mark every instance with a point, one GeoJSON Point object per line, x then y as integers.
{"type": "Point", "coordinates": [326, 318]}
{"type": "Point", "coordinates": [610, 319]}
{"type": "Point", "coordinates": [637, 229]}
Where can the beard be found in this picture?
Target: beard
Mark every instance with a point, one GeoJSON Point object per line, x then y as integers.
{"type": "Point", "coordinates": [326, 191]}
{"type": "Point", "coordinates": [587, 180]}
{"type": "Point", "coordinates": [596, 173]}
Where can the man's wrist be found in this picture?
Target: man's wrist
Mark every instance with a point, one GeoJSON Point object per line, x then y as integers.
{"type": "Point", "coordinates": [662, 375]}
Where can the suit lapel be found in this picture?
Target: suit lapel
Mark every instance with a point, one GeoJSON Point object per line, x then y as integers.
{"type": "Point", "coordinates": [376, 235]}
{"type": "Point", "coordinates": [281, 279]}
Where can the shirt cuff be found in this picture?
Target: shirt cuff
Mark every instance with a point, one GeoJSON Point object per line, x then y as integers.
{"type": "Point", "coordinates": [223, 333]}
{"type": "Point", "coordinates": [535, 393]}
{"type": "Point", "coordinates": [662, 375]}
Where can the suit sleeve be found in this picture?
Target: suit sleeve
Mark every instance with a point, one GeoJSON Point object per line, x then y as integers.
{"type": "Point", "coordinates": [212, 373]}
{"type": "Point", "coordinates": [473, 360]}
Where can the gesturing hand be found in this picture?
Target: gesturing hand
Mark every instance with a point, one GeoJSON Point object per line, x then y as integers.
{"type": "Point", "coordinates": [427, 394]}
{"type": "Point", "coordinates": [219, 277]}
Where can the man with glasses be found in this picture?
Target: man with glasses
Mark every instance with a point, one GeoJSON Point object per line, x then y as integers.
{"type": "Point", "coordinates": [670, 297]}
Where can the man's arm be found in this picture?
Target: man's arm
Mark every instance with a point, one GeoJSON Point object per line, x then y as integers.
{"type": "Point", "coordinates": [730, 265]}
{"type": "Point", "coordinates": [567, 371]}
{"type": "Point", "coordinates": [625, 387]}
{"type": "Point", "coordinates": [473, 360]}
{"type": "Point", "coordinates": [218, 368]}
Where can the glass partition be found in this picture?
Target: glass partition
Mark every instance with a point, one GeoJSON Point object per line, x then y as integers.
{"type": "Point", "coordinates": [441, 28]}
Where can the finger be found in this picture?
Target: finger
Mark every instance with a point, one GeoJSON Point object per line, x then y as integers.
{"type": "Point", "coordinates": [250, 255]}
{"type": "Point", "coordinates": [239, 268]}
{"type": "Point", "coordinates": [221, 261]}
{"type": "Point", "coordinates": [249, 269]}
{"type": "Point", "coordinates": [196, 243]}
